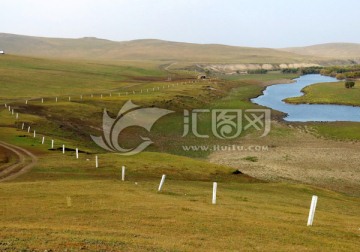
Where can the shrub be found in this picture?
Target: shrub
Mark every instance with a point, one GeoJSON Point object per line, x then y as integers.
{"type": "Point", "coordinates": [258, 71]}
{"type": "Point", "coordinates": [340, 76]}
{"type": "Point", "coordinates": [349, 84]}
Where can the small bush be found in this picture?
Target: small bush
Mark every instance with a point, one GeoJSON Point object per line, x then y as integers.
{"type": "Point", "coordinates": [340, 76]}
{"type": "Point", "coordinates": [258, 71]}
{"type": "Point", "coordinates": [349, 84]}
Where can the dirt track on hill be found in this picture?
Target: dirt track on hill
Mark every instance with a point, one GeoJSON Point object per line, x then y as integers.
{"type": "Point", "coordinates": [300, 157]}
{"type": "Point", "coordinates": [26, 160]}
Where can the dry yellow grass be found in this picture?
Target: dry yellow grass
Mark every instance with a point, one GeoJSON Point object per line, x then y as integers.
{"type": "Point", "coordinates": [124, 216]}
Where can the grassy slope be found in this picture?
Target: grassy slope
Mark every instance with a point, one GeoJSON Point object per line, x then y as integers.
{"type": "Point", "coordinates": [328, 93]}
{"type": "Point", "coordinates": [92, 48]}
{"type": "Point", "coordinates": [124, 216]}
{"type": "Point", "coordinates": [109, 215]}
{"type": "Point", "coordinates": [22, 77]}
{"type": "Point", "coordinates": [79, 118]}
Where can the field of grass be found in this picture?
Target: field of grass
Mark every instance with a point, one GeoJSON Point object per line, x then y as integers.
{"type": "Point", "coordinates": [345, 131]}
{"type": "Point", "coordinates": [110, 215]}
{"type": "Point", "coordinates": [80, 118]}
{"type": "Point", "coordinates": [27, 78]}
{"type": "Point", "coordinates": [329, 93]}
{"type": "Point", "coordinates": [64, 202]}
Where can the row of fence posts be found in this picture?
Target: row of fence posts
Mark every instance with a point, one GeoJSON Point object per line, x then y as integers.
{"type": "Point", "coordinates": [162, 181]}
{"type": "Point", "coordinates": [119, 94]}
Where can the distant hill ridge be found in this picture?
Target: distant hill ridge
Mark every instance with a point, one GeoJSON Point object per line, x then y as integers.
{"type": "Point", "coordinates": [332, 50]}
{"type": "Point", "coordinates": [159, 50]}
{"type": "Point", "coordinates": [144, 49]}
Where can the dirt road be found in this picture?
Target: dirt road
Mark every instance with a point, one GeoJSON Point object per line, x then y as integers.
{"type": "Point", "coordinates": [25, 161]}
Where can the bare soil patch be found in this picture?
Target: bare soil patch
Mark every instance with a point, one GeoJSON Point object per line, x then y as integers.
{"type": "Point", "coordinates": [299, 157]}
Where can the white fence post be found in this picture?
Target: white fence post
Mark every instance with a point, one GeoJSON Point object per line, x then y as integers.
{"type": "Point", "coordinates": [42, 100]}
{"type": "Point", "coordinates": [214, 193]}
{"type": "Point", "coordinates": [312, 210]}
{"type": "Point", "coordinates": [77, 153]}
{"type": "Point", "coordinates": [17, 116]}
{"type": "Point", "coordinates": [161, 182]}
{"type": "Point", "coordinates": [22, 126]}
{"type": "Point", "coordinates": [96, 162]}
{"type": "Point", "coordinates": [34, 133]}
{"type": "Point", "coordinates": [43, 140]}
{"type": "Point", "coordinates": [29, 129]}
{"type": "Point", "coordinates": [63, 149]}
{"type": "Point", "coordinates": [52, 144]}
{"type": "Point", "coordinates": [56, 99]}
{"type": "Point", "coordinates": [123, 173]}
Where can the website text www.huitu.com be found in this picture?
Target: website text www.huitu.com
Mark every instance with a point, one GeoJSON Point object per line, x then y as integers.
{"type": "Point", "coordinates": [254, 148]}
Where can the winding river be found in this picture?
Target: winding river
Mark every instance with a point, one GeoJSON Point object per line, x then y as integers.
{"type": "Point", "coordinates": [274, 95]}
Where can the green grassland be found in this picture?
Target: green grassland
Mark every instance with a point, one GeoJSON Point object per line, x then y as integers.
{"type": "Point", "coordinates": [346, 131]}
{"type": "Point", "coordinates": [27, 78]}
{"type": "Point", "coordinates": [80, 118]}
{"type": "Point", "coordinates": [329, 93]}
{"type": "Point", "coordinates": [107, 214]}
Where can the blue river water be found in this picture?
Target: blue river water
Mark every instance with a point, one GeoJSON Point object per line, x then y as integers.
{"type": "Point", "coordinates": [274, 95]}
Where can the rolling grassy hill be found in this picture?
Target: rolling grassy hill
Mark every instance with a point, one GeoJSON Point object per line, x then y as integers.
{"type": "Point", "coordinates": [349, 51]}
{"type": "Point", "coordinates": [148, 49]}
{"type": "Point", "coordinates": [64, 202]}
{"type": "Point", "coordinates": [33, 77]}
